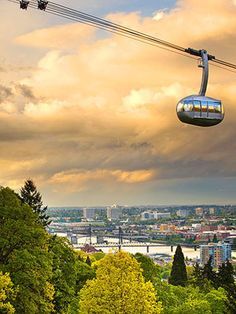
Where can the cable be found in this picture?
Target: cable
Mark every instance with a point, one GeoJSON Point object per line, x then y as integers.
{"type": "Point", "coordinates": [88, 19]}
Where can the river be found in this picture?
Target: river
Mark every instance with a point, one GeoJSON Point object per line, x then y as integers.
{"type": "Point", "coordinates": [188, 252]}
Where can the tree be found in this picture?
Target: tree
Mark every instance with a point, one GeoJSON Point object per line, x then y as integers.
{"type": "Point", "coordinates": [225, 279]}
{"type": "Point", "coordinates": [69, 274]}
{"type": "Point", "coordinates": [215, 240]}
{"type": "Point", "coordinates": [6, 294]}
{"type": "Point", "coordinates": [24, 254]}
{"type": "Point", "coordinates": [209, 273]}
{"type": "Point", "coordinates": [88, 261]}
{"type": "Point", "coordinates": [118, 288]}
{"type": "Point", "coordinates": [217, 300]}
{"type": "Point", "coordinates": [178, 276]}
{"type": "Point", "coordinates": [190, 300]}
{"type": "Point", "coordinates": [33, 198]}
{"type": "Point", "coordinates": [150, 269]}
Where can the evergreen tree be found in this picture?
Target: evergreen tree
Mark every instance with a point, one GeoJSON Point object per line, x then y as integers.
{"type": "Point", "coordinates": [198, 278]}
{"type": "Point", "coordinates": [226, 280]}
{"type": "Point", "coordinates": [33, 198]}
{"type": "Point", "coordinates": [209, 273]}
{"type": "Point", "coordinates": [215, 240]}
{"type": "Point", "coordinates": [178, 276]}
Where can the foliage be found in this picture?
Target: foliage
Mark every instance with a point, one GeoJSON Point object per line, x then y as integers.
{"type": "Point", "coordinates": [151, 271]}
{"type": "Point", "coordinates": [185, 300]}
{"type": "Point", "coordinates": [6, 294]}
{"type": "Point", "coordinates": [209, 273]}
{"type": "Point", "coordinates": [24, 254]}
{"type": "Point", "coordinates": [226, 280]}
{"type": "Point", "coordinates": [33, 198]}
{"type": "Point", "coordinates": [69, 275]}
{"type": "Point", "coordinates": [118, 288]}
{"type": "Point", "coordinates": [206, 277]}
{"type": "Point", "coordinates": [178, 276]}
{"type": "Point", "coordinates": [98, 255]}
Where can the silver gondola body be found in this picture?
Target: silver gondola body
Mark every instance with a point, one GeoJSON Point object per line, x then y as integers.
{"type": "Point", "coordinates": [200, 110]}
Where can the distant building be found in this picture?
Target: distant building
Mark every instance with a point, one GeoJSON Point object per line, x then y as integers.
{"type": "Point", "coordinates": [199, 211]}
{"type": "Point", "coordinates": [212, 211]}
{"type": "Point", "coordinates": [114, 212]}
{"type": "Point", "coordinates": [89, 213]}
{"type": "Point", "coordinates": [182, 213]}
{"type": "Point", "coordinates": [148, 215]}
{"type": "Point", "coordinates": [167, 228]}
{"type": "Point", "coordinates": [161, 215]}
{"type": "Point", "coordinates": [219, 252]}
{"type": "Point", "coordinates": [197, 227]}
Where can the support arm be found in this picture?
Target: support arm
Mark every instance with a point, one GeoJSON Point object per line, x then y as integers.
{"type": "Point", "coordinates": [205, 72]}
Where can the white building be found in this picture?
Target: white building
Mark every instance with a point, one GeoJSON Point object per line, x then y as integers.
{"type": "Point", "coordinates": [148, 215]}
{"type": "Point", "coordinates": [89, 213]}
{"type": "Point", "coordinates": [182, 213]}
{"type": "Point", "coordinates": [114, 212]}
{"type": "Point", "coordinates": [161, 215]}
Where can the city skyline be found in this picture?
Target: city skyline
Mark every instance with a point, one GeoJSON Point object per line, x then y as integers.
{"type": "Point", "coordinates": [90, 116]}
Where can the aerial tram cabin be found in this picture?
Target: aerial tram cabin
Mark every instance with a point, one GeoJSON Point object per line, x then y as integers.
{"type": "Point", "coordinates": [198, 109]}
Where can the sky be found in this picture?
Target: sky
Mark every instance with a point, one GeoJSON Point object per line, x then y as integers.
{"type": "Point", "coordinates": [91, 116]}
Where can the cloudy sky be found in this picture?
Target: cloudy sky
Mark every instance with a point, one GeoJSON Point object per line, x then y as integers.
{"type": "Point", "coordinates": [90, 116]}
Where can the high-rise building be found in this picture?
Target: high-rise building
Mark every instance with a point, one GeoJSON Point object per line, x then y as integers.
{"type": "Point", "coordinates": [182, 213]}
{"type": "Point", "coordinates": [212, 211]}
{"type": "Point", "coordinates": [199, 211]}
{"type": "Point", "coordinates": [89, 213]}
{"type": "Point", "coordinates": [219, 252]}
{"type": "Point", "coordinates": [114, 212]}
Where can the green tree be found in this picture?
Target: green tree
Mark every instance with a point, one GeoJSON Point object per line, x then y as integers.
{"type": "Point", "coordinates": [69, 275]}
{"type": "Point", "coordinates": [178, 276]}
{"type": "Point", "coordinates": [33, 198]}
{"type": "Point", "coordinates": [217, 300]}
{"type": "Point", "coordinates": [118, 288]}
{"type": "Point", "coordinates": [24, 254]}
{"type": "Point", "coordinates": [151, 271]}
{"type": "Point", "coordinates": [6, 294]}
{"type": "Point", "coordinates": [209, 273]}
{"type": "Point", "coordinates": [225, 279]}
{"type": "Point", "coordinates": [215, 240]}
{"type": "Point", "coordinates": [190, 300]}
